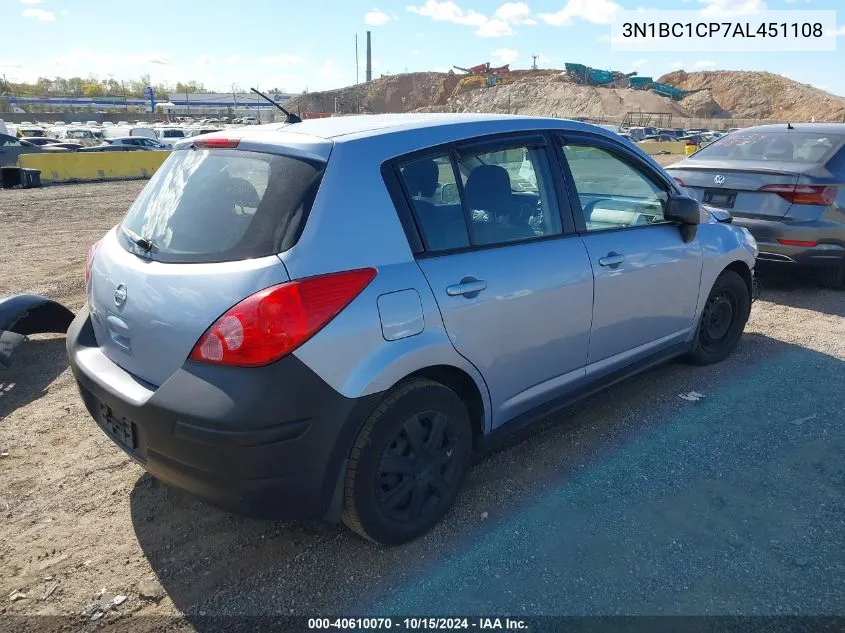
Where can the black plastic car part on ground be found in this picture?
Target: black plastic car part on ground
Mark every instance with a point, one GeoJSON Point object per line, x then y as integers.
{"type": "Point", "coordinates": [22, 315]}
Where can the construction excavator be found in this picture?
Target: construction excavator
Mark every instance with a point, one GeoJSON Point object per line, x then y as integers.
{"type": "Point", "coordinates": [485, 69]}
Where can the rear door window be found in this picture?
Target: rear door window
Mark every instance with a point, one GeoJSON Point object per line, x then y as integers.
{"type": "Point", "coordinates": [222, 205]}
{"type": "Point", "coordinates": [503, 196]}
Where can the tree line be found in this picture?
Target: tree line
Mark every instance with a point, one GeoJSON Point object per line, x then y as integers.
{"type": "Point", "coordinates": [93, 86]}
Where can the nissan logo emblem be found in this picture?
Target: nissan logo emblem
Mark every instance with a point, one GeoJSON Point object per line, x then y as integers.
{"type": "Point", "coordinates": [120, 295]}
{"type": "Point", "coordinates": [719, 180]}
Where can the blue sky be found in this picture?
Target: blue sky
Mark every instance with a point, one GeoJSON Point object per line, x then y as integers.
{"type": "Point", "coordinates": [310, 43]}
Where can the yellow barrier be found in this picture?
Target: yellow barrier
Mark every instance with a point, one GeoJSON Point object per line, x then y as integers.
{"type": "Point", "coordinates": [76, 166]}
{"type": "Point", "coordinates": [656, 147]}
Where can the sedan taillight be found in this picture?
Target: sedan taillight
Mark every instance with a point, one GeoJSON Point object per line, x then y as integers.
{"type": "Point", "coordinates": [821, 195]}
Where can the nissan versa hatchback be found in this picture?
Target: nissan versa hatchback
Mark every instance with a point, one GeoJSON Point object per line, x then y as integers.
{"type": "Point", "coordinates": [328, 318]}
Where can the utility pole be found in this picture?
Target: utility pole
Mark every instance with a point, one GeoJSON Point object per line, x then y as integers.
{"type": "Point", "coordinates": [357, 89]}
{"type": "Point", "coordinates": [534, 62]}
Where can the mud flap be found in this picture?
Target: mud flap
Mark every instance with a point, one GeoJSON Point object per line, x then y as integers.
{"type": "Point", "coordinates": [22, 315]}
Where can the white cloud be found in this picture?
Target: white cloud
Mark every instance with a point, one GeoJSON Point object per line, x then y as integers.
{"type": "Point", "coordinates": [639, 63]}
{"type": "Point", "coordinates": [724, 8]}
{"type": "Point", "coordinates": [376, 17]}
{"type": "Point", "coordinates": [232, 59]}
{"type": "Point", "coordinates": [840, 31]}
{"type": "Point", "coordinates": [30, 1]}
{"type": "Point", "coordinates": [39, 14]}
{"type": "Point", "coordinates": [704, 63]}
{"type": "Point", "coordinates": [205, 60]}
{"type": "Point", "coordinates": [282, 59]}
{"type": "Point", "coordinates": [677, 65]}
{"type": "Point", "coordinates": [603, 38]}
{"type": "Point", "coordinates": [494, 28]}
{"type": "Point", "coordinates": [499, 25]}
{"type": "Point", "coordinates": [448, 11]}
{"type": "Point", "coordinates": [503, 56]}
{"type": "Point", "coordinates": [514, 13]}
{"type": "Point", "coordinates": [595, 11]}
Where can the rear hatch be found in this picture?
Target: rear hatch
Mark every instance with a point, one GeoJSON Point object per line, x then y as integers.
{"type": "Point", "coordinates": [756, 173]}
{"type": "Point", "coordinates": [201, 236]}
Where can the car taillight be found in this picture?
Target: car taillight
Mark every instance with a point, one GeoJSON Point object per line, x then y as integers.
{"type": "Point", "coordinates": [804, 194]}
{"type": "Point", "coordinates": [680, 182]}
{"type": "Point", "coordinates": [803, 243]}
{"type": "Point", "coordinates": [275, 321]}
{"type": "Point", "coordinates": [90, 260]}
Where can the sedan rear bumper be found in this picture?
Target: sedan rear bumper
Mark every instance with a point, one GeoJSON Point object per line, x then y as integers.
{"type": "Point", "coordinates": [817, 243]}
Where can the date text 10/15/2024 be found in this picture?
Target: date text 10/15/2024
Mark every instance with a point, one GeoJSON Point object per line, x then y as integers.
{"type": "Point", "coordinates": [418, 623]}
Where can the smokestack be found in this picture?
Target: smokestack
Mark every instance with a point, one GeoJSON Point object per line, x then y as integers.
{"type": "Point", "coordinates": [369, 59]}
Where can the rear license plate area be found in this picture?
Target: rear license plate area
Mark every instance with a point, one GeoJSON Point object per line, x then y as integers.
{"type": "Point", "coordinates": [122, 430]}
{"type": "Point", "coordinates": [720, 198]}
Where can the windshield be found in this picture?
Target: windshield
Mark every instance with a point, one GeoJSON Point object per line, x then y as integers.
{"type": "Point", "coordinates": [222, 205]}
{"type": "Point", "coordinates": [773, 145]}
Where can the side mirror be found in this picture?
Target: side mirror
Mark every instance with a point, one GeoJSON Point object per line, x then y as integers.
{"type": "Point", "coordinates": [683, 209]}
{"type": "Point", "coordinates": [687, 212]}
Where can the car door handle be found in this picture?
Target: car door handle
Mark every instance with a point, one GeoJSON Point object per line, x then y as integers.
{"type": "Point", "coordinates": [468, 286]}
{"type": "Point", "coordinates": [612, 259]}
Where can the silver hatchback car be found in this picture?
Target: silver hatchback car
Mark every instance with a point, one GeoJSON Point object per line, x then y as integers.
{"type": "Point", "coordinates": [328, 318]}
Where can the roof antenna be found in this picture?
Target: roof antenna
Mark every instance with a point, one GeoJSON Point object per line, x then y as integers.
{"type": "Point", "coordinates": [789, 126]}
{"type": "Point", "coordinates": [289, 116]}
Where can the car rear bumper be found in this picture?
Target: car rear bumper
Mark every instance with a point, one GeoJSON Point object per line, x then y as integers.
{"type": "Point", "coordinates": [267, 441]}
{"type": "Point", "coordinates": [828, 237]}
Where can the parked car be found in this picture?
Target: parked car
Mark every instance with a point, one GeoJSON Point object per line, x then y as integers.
{"type": "Point", "coordinates": [136, 142]}
{"type": "Point", "coordinates": [786, 184]}
{"type": "Point", "coordinates": [317, 362]}
{"type": "Point", "coordinates": [660, 138]}
{"type": "Point", "coordinates": [12, 147]}
{"type": "Point", "coordinates": [170, 135]}
{"type": "Point", "coordinates": [120, 131]}
{"type": "Point", "coordinates": [40, 140]}
{"type": "Point", "coordinates": [67, 145]}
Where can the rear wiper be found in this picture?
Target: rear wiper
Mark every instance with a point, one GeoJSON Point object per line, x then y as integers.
{"type": "Point", "coordinates": [146, 244]}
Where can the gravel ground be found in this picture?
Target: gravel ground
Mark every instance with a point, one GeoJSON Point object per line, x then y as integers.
{"type": "Point", "coordinates": [635, 501]}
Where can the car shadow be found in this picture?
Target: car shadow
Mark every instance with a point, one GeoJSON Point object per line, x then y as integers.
{"type": "Point", "coordinates": [687, 490]}
{"type": "Point", "coordinates": [35, 365]}
{"type": "Point", "coordinates": [799, 289]}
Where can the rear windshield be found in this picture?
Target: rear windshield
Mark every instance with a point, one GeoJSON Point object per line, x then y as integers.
{"type": "Point", "coordinates": [172, 134]}
{"type": "Point", "coordinates": [779, 145]}
{"type": "Point", "coordinates": [222, 205]}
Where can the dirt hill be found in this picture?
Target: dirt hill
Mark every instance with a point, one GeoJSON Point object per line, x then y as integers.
{"type": "Point", "coordinates": [552, 94]}
{"type": "Point", "coordinates": [396, 93]}
{"type": "Point", "coordinates": [720, 94]}
{"type": "Point", "coordinates": [760, 95]}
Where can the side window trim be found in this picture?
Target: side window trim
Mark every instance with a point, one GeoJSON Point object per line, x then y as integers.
{"type": "Point", "coordinates": [454, 156]}
{"type": "Point", "coordinates": [400, 197]}
{"type": "Point", "coordinates": [618, 152]}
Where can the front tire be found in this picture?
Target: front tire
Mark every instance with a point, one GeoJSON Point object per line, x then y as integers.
{"type": "Point", "coordinates": [407, 463]}
{"type": "Point", "coordinates": [722, 320]}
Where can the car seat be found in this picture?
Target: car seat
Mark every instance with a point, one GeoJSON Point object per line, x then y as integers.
{"type": "Point", "coordinates": [488, 188]}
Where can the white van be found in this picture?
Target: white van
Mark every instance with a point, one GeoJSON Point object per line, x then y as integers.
{"type": "Point", "coordinates": [78, 134]}
{"type": "Point", "coordinates": [169, 135]}
{"type": "Point", "coordinates": [117, 131]}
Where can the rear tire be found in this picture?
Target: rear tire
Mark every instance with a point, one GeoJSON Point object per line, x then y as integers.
{"type": "Point", "coordinates": [407, 463]}
{"type": "Point", "coordinates": [833, 277]}
{"type": "Point", "coordinates": [722, 320]}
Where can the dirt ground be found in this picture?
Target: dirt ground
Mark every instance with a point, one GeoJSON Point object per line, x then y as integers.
{"type": "Point", "coordinates": [636, 501]}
